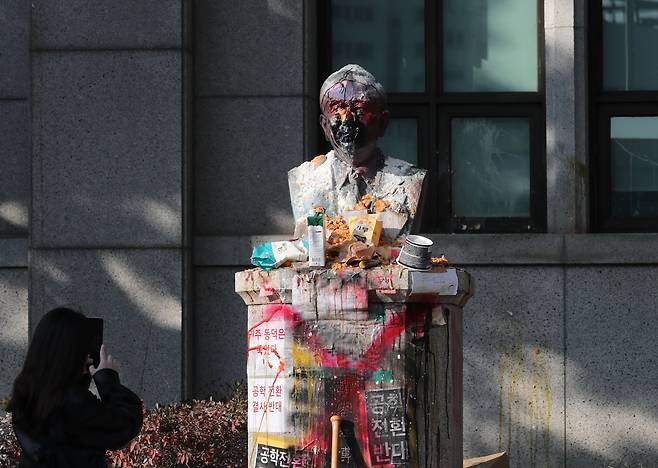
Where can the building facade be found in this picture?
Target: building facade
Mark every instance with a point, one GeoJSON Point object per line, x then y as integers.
{"type": "Point", "coordinates": [145, 146]}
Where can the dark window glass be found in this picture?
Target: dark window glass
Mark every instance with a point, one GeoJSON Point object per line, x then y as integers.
{"type": "Point", "coordinates": [623, 37]}
{"type": "Point", "coordinates": [384, 37]}
{"type": "Point", "coordinates": [630, 36]}
{"type": "Point", "coordinates": [634, 155]}
{"type": "Point", "coordinates": [491, 167]}
{"type": "Point", "coordinates": [489, 46]}
{"type": "Point", "coordinates": [401, 140]}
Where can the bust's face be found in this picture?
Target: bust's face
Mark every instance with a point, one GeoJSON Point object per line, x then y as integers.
{"type": "Point", "coordinates": [352, 121]}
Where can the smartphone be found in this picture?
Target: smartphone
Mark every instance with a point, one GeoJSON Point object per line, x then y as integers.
{"type": "Point", "coordinates": [95, 330]}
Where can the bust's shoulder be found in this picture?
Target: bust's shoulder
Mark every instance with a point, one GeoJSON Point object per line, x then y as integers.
{"type": "Point", "coordinates": [320, 162]}
{"type": "Point", "coordinates": [399, 167]}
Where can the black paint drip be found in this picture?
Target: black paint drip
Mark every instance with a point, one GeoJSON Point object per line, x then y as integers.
{"type": "Point", "coordinates": [350, 135]}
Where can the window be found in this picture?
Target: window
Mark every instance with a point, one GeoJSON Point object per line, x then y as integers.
{"type": "Point", "coordinates": [465, 85]}
{"type": "Point", "coordinates": [624, 115]}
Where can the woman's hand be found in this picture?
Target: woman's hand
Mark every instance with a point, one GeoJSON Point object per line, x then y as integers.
{"type": "Point", "coordinates": [106, 362]}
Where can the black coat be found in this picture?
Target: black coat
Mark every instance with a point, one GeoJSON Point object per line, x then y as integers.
{"type": "Point", "coordinates": [84, 427]}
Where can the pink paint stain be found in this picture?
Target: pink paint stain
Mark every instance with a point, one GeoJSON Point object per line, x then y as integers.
{"type": "Point", "coordinates": [352, 386]}
{"type": "Point", "coordinates": [266, 288]}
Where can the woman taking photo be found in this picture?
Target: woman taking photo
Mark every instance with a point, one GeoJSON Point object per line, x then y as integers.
{"type": "Point", "coordinates": [57, 420]}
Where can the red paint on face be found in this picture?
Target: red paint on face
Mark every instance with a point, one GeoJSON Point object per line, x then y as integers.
{"type": "Point", "coordinates": [349, 100]}
{"type": "Point", "coordinates": [365, 111]}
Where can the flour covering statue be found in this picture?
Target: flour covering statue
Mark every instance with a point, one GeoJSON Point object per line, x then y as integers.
{"type": "Point", "coordinates": [354, 115]}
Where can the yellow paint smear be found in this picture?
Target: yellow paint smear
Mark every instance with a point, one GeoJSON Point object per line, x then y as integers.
{"type": "Point", "coordinates": [282, 442]}
{"type": "Point", "coordinates": [525, 400]}
{"type": "Point", "coordinates": [303, 359]}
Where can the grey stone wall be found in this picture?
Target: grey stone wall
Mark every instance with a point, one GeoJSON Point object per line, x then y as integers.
{"type": "Point", "coordinates": [252, 116]}
{"type": "Point", "coordinates": [13, 325]}
{"type": "Point", "coordinates": [562, 376]}
{"type": "Point", "coordinates": [109, 179]}
{"type": "Point", "coordinates": [14, 186]}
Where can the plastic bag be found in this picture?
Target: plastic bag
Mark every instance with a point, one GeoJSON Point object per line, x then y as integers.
{"type": "Point", "coordinates": [274, 254]}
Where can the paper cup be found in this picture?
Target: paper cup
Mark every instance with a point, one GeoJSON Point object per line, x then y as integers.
{"type": "Point", "coordinates": [413, 262]}
{"type": "Point", "coordinates": [415, 253]}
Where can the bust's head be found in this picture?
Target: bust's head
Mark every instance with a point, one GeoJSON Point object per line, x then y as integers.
{"type": "Point", "coordinates": [354, 113]}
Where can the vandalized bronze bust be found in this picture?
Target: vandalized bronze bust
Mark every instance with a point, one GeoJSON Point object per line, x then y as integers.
{"type": "Point", "coordinates": [354, 116]}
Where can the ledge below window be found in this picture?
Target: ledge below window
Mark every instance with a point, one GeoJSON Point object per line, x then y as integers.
{"type": "Point", "coordinates": [477, 249]}
{"type": "Point", "coordinates": [461, 249]}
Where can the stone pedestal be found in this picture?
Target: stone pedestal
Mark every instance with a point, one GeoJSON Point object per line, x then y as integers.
{"type": "Point", "coordinates": [382, 348]}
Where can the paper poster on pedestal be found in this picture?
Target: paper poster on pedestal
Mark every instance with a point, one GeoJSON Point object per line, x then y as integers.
{"type": "Point", "coordinates": [268, 403]}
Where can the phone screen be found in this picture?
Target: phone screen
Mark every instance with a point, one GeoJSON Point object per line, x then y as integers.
{"type": "Point", "coordinates": [96, 331]}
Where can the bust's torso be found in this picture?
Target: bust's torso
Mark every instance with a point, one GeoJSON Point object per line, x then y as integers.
{"type": "Point", "coordinates": [331, 183]}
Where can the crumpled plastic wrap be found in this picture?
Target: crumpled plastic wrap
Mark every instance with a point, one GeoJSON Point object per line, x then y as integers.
{"type": "Point", "coordinates": [274, 254]}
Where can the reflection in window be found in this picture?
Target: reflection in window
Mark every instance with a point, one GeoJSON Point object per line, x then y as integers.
{"type": "Point", "coordinates": [491, 163]}
{"type": "Point", "coordinates": [386, 37]}
{"type": "Point", "coordinates": [630, 35]}
{"type": "Point", "coordinates": [634, 153]}
{"type": "Point", "coordinates": [489, 46]}
{"type": "Point", "coordinates": [401, 140]}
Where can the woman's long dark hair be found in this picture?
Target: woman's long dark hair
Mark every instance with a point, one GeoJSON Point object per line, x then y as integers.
{"type": "Point", "coordinates": [54, 363]}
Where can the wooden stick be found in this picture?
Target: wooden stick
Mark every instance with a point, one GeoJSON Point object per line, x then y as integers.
{"type": "Point", "coordinates": [335, 440]}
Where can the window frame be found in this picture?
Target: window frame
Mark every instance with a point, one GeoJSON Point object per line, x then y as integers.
{"type": "Point", "coordinates": [420, 114]}
{"type": "Point", "coordinates": [603, 105]}
{"type": "Point", "coordinates": [537, 168]}
{"type": "Point", "coordinates": [435, 106]}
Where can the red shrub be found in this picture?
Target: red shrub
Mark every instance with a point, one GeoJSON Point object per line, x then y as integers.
{"type": "Point", "coordinates": [200, 433]}
{"type": "Point", "coordinates": [9, 449]}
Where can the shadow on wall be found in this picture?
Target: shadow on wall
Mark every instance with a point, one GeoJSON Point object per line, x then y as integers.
{"type": "Point", "coordinates": [107, 222]}
{"type": "Point", "coordinates": [249, 131]}
{"type": "Point", "coordinates": [250, 118]}
{"type": "Point", "coordinates": [137, 293]}
{"type": "Point", "coordinates": [220, 333]}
